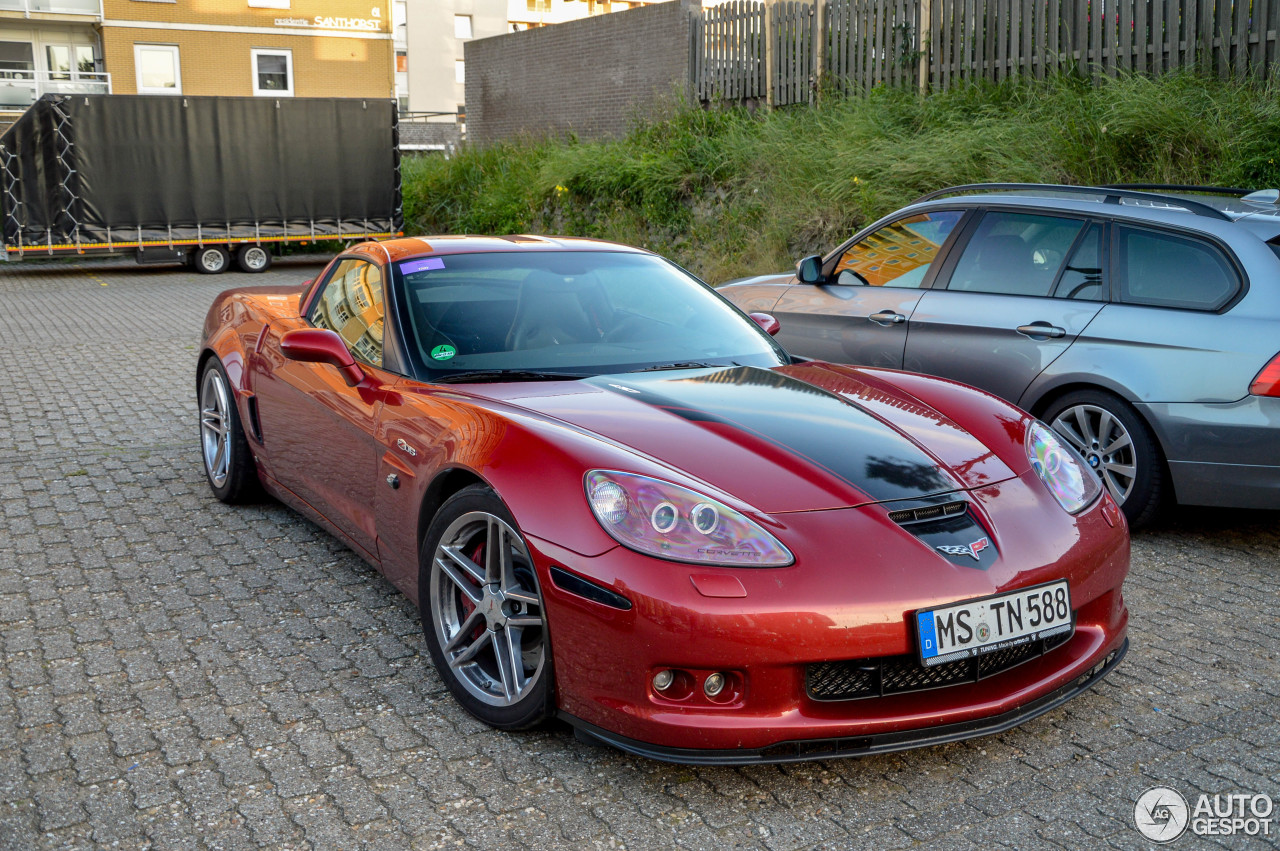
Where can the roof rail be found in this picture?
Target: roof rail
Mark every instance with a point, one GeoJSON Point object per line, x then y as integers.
{"type": "Point", "coordinates": [1179, 187]}
{"type": "Point", "coordinates": [1111, 195]}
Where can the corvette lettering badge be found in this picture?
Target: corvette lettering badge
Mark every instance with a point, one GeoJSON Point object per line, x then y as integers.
{"type": "Point", "coordinates": [404, 447]}
{"type": "Point", "coordinates": [966, 550]}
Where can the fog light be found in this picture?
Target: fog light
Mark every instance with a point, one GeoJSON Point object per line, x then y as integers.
{"type": "Point", "coordinates": [663, 679]}
{"type": "Point", "coordinates": [714, 685]}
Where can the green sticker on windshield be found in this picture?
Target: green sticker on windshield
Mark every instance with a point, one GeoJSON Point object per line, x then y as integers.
{"type": "Point", "coordinates": [443, 352]}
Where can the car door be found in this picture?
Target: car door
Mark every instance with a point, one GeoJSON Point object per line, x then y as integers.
{"type": "Point", "coordinates": [317, 430]}
{"type": "Point", "coordinates": [1010, 301]}
{"type": "Point", "coordinates": [859, 315]}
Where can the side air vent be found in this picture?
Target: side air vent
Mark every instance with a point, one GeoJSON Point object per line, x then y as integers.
{"type": "Point", "coordinates": [907, 516]}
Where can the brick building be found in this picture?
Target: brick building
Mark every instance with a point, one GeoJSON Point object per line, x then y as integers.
{"type": "Point", "coordinates": [276, 48]}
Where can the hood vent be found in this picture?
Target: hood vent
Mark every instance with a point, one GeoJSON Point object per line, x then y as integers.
{"type": "Point", "coordinates": [907, 516]}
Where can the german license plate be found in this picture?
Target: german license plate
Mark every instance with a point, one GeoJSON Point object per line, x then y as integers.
{"type": "Point", "coordinates": [987, 624]}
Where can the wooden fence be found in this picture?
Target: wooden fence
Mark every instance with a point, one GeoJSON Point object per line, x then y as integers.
{"type": "Point", "coordinates": [773, 51]}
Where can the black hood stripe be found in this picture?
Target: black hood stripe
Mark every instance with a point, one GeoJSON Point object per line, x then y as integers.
{"type": "Point", "coordinates": [810, 423]}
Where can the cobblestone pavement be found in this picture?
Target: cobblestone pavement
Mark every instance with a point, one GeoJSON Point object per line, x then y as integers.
{"type": "Point", "coordinates": [175, 673]}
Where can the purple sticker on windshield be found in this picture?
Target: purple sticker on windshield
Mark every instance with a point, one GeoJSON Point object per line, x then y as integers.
{"type": "Point", "coordinates": [421, 265]}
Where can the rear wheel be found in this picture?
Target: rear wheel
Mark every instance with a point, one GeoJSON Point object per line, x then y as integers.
{"type": "Point", "coordinates": [1118, 446]}
{"type": "Point", "coordinates": [482, 612]}
{"type": "Point", "coordinates": [228, 462]}
{"type": "Point", "coordinates": [211, 260]}
{"type": "Point", "coordinates": [253, 258]}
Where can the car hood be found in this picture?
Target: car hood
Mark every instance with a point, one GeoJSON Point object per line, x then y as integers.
{"type": "Point", "coordinates": [797, 438]}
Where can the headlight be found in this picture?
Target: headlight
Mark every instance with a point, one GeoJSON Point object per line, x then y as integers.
{"type": "Point", "coordinates": [1061, 469]}
{"type": "Point", "coordinates": [661, 519]}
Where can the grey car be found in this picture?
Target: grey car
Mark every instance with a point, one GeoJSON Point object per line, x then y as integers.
{"type": "Point", "coordinates": [1143, 326]}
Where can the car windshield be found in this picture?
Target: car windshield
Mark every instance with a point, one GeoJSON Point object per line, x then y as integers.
{"type": "Point", "coordinates": [567, 312]}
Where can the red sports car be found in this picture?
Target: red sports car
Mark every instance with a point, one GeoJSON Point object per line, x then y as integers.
{"type": "Point", "coordinates": [616, 500]}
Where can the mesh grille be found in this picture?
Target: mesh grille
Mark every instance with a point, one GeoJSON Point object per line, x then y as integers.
{"type": "Point", "coordinates": [928, 512]}
{"type": "Point", "coordinates": [901, 674]}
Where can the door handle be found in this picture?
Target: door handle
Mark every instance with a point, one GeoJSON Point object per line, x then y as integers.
{"type": "Point", "coordinates": [1041, 329]}
{"type": "Point", "coordinates": [887, 317]}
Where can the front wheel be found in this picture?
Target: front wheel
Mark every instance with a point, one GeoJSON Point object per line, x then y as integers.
{"type": "Point", "coordinates": [228, 462]}
{"type": "Point", "coordinates": [482, 612]}
{"type": "Point", "coordinates": [1117, 445]}
{"type": "Point", "coordinates": [211, 260]}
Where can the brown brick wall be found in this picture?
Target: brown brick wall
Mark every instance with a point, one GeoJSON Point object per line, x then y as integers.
{"type": "Point", "coordinates": [589, 77]}
{"type": "Point", "coordinates": [326, 63]}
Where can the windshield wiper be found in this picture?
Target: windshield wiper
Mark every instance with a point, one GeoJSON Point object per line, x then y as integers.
{"type": "Point", "coordinates": [689, 364]}
{"type": "Point", "coordinates": [490, 375]}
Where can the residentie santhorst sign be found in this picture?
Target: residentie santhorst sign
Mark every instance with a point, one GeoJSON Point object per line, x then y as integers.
{"type": "Point", "coordinates": [322, 22]}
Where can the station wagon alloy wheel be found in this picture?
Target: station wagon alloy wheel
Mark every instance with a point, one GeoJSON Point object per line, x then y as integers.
{"type": "Point", "coordinates": [1105, 444]}
{"type": "Point", "coordinates": [486, 610]}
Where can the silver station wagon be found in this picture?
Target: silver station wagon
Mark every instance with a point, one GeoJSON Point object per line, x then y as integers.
{"type": "Point", "coordinates": [1144, 326]}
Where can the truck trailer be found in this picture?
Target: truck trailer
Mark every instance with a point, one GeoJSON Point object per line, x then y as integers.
{"type": "Point", "coordinates": [208, 181]}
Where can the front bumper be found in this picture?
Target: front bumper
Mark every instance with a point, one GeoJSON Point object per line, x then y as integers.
{"type": "Point", "coordinates": [804, 750]}
{"type": "Point", "coordinates": [856, 580]}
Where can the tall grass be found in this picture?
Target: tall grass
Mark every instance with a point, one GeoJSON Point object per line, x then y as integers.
{"type": "Point", "coordinates": [726, 192]}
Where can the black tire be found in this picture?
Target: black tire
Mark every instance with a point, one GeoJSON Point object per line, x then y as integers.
{"type": "Point", "coordinates": [210, 260]}
{"type": "Point", "coordinates": [466, 627]}
{"type": "Point", "coordinates": [1096, 423]}
{"type": "Point", "coordinates": [253, 258]}
{"type": "Point", "coordinates": [228, 461]}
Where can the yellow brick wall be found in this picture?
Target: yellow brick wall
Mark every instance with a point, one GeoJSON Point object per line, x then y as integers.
{"type": "Point", "coordinates": [326, 63]}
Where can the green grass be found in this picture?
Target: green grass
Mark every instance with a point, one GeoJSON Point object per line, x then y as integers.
{"type": "Point", "coordinates": [726, 192]}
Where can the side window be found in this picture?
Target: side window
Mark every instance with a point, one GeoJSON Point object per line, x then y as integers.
{"type": "Point", "coordinates": [898, 255]}
{"type": "Point", "coordinates": [351, 305]}
{"type": "Point", "coordinates": [1015, 254]}
{"type": "Point", "coordinates": [1082, 276]}
{"type": "Point", "coordinates": [1165, 270]}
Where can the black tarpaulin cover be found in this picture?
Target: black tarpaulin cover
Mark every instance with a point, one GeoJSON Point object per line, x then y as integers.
{"type": "Point", "coordinates": [172, 166]}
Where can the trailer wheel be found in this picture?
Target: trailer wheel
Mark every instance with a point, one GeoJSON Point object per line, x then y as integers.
{"type": "Point", "coordinates": [253, 258]}
{"type": "Point", "coordinates": [211, 260]}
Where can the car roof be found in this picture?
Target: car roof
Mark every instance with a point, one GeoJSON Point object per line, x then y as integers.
{"type": "Point", "coordinates": [406, 248]}
{"type": "Point", "coordinates": [1263, 220]}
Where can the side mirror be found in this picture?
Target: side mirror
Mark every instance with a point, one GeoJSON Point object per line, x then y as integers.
{"type": "Point", "coordinates": [319, 345]}
{"type": "Point", "coordinates": [770, 325]}
{"type": "Point", "coordinates": [809, 270]}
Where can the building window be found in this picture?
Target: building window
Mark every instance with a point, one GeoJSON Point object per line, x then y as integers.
{"type": "Point", "coordinates": [159, 71]}
{"type": "Point", "coordinates": [402, 62]}
{"type": "Point", "coordinates": [459, 71]}
{"type": "Point", "coordinates": [272, 72]}
{"type": "Point", "coordinates": [462, 26]}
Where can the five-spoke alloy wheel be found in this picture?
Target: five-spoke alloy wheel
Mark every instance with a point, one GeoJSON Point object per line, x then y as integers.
{"type": "Point", "coordinates": [227, 460]}
{"type": "Point", "coordinates": [1117, 445]}
{"type": "Point", "coordinates": [483, 614]}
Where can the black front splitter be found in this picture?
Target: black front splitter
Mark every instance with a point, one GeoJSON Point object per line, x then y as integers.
{"type": "Point", "coordinates": [806, 750]}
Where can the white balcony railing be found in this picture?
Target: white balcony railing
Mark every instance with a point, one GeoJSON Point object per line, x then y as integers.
{"type": "Point", "coordinates": [57, 7]}
{"type": "Point", "coordinates": [20, 89]}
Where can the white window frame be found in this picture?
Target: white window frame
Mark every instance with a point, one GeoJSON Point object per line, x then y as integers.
{"type": "Point", "coordinates": [461, 22]}
{"type": "Point", "coordinates": [459, 71]}
{"type": "Point", "coordinates": [138, 48]}
{"type": "Point", "coordinates": [287, 53]}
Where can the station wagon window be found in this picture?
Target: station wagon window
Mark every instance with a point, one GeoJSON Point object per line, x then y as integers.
{"type": "Point", "coordinates": [899, 254]}
{"type": "Point", "coordinates": [1167, 270]}
{"type": "Point", "coordinates": [1081, 278]}
{"type": "Point", "coordinates": [1015, 254]}
{"type": "Point", "coordinates": [351, 305]}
